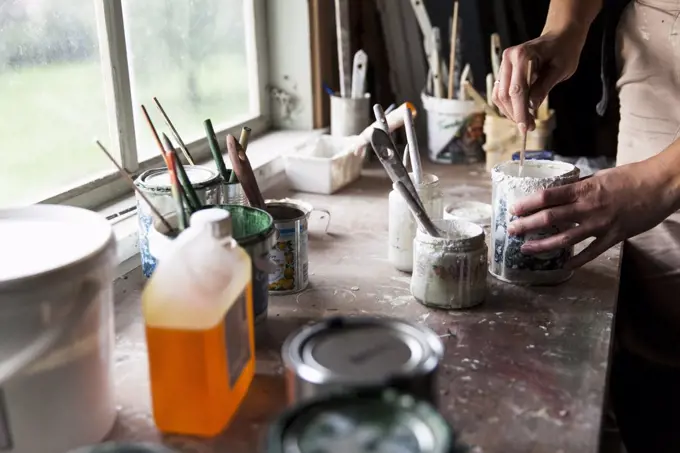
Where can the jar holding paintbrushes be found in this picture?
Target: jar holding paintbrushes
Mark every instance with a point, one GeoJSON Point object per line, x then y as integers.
{"type": "Point", "coordinates": [232, 191]}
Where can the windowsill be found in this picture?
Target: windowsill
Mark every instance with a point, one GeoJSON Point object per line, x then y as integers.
{"type": "Point", "coordinates": [266, 157]}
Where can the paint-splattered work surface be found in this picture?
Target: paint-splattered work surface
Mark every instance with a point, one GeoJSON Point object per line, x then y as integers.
{"type": "Point", "coordinates": [525, 372]}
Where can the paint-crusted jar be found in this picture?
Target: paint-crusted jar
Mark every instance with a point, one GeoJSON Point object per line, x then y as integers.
{"type": "Point", "coordinates": [508, 263]}
{"type": "Point", "coordinates": [402, 226]}
{"type": "Point", "coordinates": [449, 272]}
{"type": "Point", "coordinates": [155, 184]}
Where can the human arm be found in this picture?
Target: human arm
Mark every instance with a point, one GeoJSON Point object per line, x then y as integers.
{"type": "Point", "coordinates": [554, 55]}
{"type": "Point", "coordinates": [611, 206]}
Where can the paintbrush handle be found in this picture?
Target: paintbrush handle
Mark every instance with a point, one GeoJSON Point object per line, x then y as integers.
{"type": "Point", "coordinates": [418, 212]}
{"type": "Point", "coordinates": [245, 136]}
{"type": "Point", "coordinates": [215, 149]}
{"type": "Point", "coordinates": [176, 191]}
{"type": "Point", "coordinates": [414, 151]}
{"type": "Point", "coordinates": [174, 133]}
{"type": "Point", "coordinates": [452, 55]}
{"type": "Point", "coordinates": [241, 166]}
{"type": "Point", "coordinates": [193, 202]}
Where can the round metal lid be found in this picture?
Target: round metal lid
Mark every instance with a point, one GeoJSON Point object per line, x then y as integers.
{"type": "Point", "coordinates": [159, 178]}
{"type": "Point", "coordinates": [361, 350]}
{"type": "Point", "coordinates": [369, 421]}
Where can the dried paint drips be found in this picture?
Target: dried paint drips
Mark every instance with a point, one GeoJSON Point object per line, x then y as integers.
{"type": "Point", "coordinates": [450, 271]}
{"type": "Point", "coordinates": [508, 263]}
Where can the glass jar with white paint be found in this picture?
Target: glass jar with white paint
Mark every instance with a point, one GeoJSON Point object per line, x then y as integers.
{"type": "Point", "coordinates": [449, 272]}
{"type": "Point", "coordinates": [402, 226]}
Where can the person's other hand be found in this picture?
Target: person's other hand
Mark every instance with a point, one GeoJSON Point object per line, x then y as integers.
{"type": "Point", "coordinates": [554, 58]}
{"type": "Point", "coordinates": [611, 206]}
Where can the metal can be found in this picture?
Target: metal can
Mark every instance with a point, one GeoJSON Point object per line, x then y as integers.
{"type": "Point", "coordinates": [368, 420]}
{"type": "Point", "coordinates": [344, 354]}
{"type": "Point", "coordinates": [115, 447]}
{"type": "Point", "coordinates": [155, 184]}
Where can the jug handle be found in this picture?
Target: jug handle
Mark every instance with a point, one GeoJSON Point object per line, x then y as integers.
{"type": "Point", "coordinates": [51, 336]}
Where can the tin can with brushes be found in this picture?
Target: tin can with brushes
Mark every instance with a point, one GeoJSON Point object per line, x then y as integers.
{"type": "Point", "coordinates": [155, 184]}
{"type": "Point", "coordinates": [344, 354]}
{"type": "Point", "coordinates": [374, 420]}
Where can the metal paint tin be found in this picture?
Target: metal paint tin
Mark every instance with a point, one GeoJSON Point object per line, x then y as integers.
{"type": "Point", "coordinates": [114, 447]}
{"type": "Point", "coordinates": [344, 354]}
{"type": "Point", "coordinates": [155, 184]}
{"type": "Point", "coordinates": [289, 255]}
{"type": "Point", "coordinates": [374, 420]}
{"type": "Point", "coordinates": [233, 194]}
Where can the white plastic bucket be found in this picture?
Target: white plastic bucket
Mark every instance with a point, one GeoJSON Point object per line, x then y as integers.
{"type": "Point", "coordinates": [454, 130]}
{"type": "Point", "coordinates": [503, 139]}
{"type": "Point", "coordinates": [56, 328]}
{"type": "Point", "coordinates": [349, 116]}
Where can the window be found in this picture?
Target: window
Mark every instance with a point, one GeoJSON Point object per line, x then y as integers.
{"type": "Point", "coordinates": [73, 70]}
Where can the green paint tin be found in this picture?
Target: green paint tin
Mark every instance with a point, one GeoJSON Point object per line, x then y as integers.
{"type": "Point", "coordinates": [362, 422]}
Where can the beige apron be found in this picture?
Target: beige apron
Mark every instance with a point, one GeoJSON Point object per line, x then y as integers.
{"type": "Point", "coordinates": [648, 45]}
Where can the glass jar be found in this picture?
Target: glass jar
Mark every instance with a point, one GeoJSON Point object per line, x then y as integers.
{"type": "Point", "coordinates": [449, 272]}
{"type": "Point", "coordinates": [402, 225]}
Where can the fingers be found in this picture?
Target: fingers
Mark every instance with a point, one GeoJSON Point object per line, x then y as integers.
{"type": "Point", "coordinates": [510, 93]}
{"type": "Point", "coordinates": [554, 196]}
{"type": "Point", "coordinates": [500, 94]}
{"type": "Point", "coordinates": [545, 219]}
{"type": "Point", "coordinates": [567, 238]}
{"type": "Point", "coordinates": [595, 249]}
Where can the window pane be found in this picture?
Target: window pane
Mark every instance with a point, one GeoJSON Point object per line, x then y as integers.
{"type": "Point", "coordinates": [191, 55]}
{"type": "Point", "coordinates": [51, 98]}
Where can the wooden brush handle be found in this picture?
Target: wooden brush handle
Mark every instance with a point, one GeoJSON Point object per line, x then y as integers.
{"type": "Point", "coordinates": [244, 172]}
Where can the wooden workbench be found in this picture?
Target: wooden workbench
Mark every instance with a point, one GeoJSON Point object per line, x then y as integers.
{"type": "Point", "coordinates": [524, 372]}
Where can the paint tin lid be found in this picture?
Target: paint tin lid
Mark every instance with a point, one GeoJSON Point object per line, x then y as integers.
{"type": "Point", "coordinates": [361, 351]}
{"type": "Point", "coordinates": [472, 211]}
{"type": "Point", "coordinates": [362, 422]}
{"type": "Point", "coordinates": [159, 178]}
{"type": "Point", "coordinates": [43, 240]}
{"type": "Point", "coordinates": [114, 447]}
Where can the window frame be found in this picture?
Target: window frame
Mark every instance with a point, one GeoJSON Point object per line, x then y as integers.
{"type": "Point", "coordinates": [107, 186]}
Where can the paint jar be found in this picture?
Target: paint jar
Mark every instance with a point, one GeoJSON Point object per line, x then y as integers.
{"type": "Point", "coordinates": [471, 211]}
{"type": "Point", "coordinates": [232, 193]}
{"type": "Point", "coordinates": [253, 229]}
{"type": "Point", "coordinates": [155, 184]}
{"type": "Point", "coordinates": [290, 253]}
{"type": "Point", "coordinates": [349, 116]}
{"type": "Point", "coordinates": [449, 272]}
{"type": "Point", "coordinates": [115, 447]}
{"type": "Point", "coordinates": [503, 138]}
{"type": "Point", "coordinates": [56, 328]}
{"type": "Point", "coordinates": [401, 228]}
{"type": "Point", "coordinates": [340, 355]}
{"type": "Point", "coordinates": [377, 420]}
{"type": "Point", "coordinates": [454, 130]}
{"type": "Point", "coordinates": [508, 263]}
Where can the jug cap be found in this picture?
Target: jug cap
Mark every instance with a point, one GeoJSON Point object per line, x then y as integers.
{"type": "Point", "coordinates": [218, 220]}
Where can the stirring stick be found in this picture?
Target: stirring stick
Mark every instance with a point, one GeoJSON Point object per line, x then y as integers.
{"type": "Point", "coordinates": [412, 141]}
{"type": "Point", "coordinates": [495, 55]}
{"type": "Point", "coordinates": [125, 175]}
{"type": "Point", "coordinates": [420, 215]}
{"type": "Point", "coordinates": [524, 131]}
{"type": "Point", "coordinates": [437, 88]}
{"type": "Point", "coordinates": [344, 58]}
{"type": "Point", "coordinates": [215, 150]}
{"type": "Point", "coordinates": [176, 191]}
{"type": "Point", "coordinates": [452, 56]}
{"type": "Point", "coordinates": [359, 74]}
{"type": "Point", "coordinates": [193, 202]}
{"type": "Point", "coordinates": [155, 134]}
{"type": "Point", "coordinates": [175, 134]}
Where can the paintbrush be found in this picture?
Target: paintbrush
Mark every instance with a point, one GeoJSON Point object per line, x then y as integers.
{"type": "Point", "coordinates": [190, 195]}
{"type": "Point", "coordinates": [241, 166]}
{"type": "Point", "coordinates": [524, 130]}
{"type": "Point", "coordinates": [154, 133]}
{"type": "Point", "coordinates": [215, 150]}
{"type": "Point", "coordinates": [176, 190]}
{"type": "Point", "coordinates": [175, 134]}
{"type": "Point", "coordinates": [412, 146]}
{"type": "Point", "coordinates": [452, 56]}
{"type": "Point", "coordinates": [418, 212]}
{"type": "Point", "coordinates": [127, 177]}
{"type": "Point", "coordinates": [243, 141]}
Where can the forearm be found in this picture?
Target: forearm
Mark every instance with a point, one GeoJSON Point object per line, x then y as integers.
{"type": "Point", "coordinates": [664, 168]}
{"type": "Point", "coordinates": [571, 16]}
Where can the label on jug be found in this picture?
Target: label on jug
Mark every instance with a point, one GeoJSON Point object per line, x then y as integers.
{"type": "Point", "coordinates": [237, 335]}
{"type": "Point", "coordinates": [5, 435]}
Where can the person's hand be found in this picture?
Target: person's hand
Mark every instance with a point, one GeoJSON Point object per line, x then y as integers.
{"type": "Point", "coordinates": [611, 206]}
{"type": "Point", "coordinates": [554, 58]}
